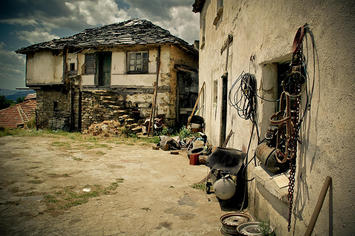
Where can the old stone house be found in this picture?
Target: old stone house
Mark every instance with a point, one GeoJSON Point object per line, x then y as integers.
{"type": "Point", "coordinates": [257, 37]}
{"type": "Point", "coordinates": [102, 73]}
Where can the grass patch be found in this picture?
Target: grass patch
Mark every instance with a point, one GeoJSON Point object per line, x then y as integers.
{"type": "Point", "coordinates": [61, 144]}
{"type": "Point", "coordinates": [55, 175]}
{"type": "Point", "coordinates": [35, 181]}
{"type": "Point", "coordinates": [50, 198]}
{"type": "Point", "coordinates": [77, 159]}
{"type": "Point", "coordinates": [201, 186]}
{"type": "Point", "coordinates": [9, 132]}
{"type": "Point", "coordinates": [84, 141]}
{"type": "Point", "coordinates": [100, 153]}
{"type": "Point", "coordinates": [71, 196]}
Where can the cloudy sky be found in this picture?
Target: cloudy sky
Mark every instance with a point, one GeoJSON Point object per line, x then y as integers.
{"type": "Point", "coordinates": [25, 22]}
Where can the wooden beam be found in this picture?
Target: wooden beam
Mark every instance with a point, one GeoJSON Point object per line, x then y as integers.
{"type": "Point", "coordinates": [197, 100]}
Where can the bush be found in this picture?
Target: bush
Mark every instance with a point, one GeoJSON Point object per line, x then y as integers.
{"type": "Point", "coordinates": [31, 124]}
{"type": "Point", "coordinates": [184, 133]}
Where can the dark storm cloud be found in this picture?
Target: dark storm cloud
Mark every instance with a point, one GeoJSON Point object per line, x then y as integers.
{"type": "Point", "coordinates": [157, 9]}
{"type": "Point", "coordinates": [26, 8]}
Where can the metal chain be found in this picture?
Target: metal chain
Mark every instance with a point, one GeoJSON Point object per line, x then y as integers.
{"type": "Point", "coordinates": [291, 186]}
{"type": "Point", "coordinates": [295, 112]}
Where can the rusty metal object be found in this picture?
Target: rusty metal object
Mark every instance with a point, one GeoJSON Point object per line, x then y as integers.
{"type": "Point", "coordinates": [231, 221]}
{"type": "Point", "coordinates": [268, 156]}
{"type": "Point", "coordinates": [283, 134]}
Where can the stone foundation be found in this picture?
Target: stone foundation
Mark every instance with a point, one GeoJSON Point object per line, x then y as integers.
{"type": "Point", "coordinates": [53, 108]}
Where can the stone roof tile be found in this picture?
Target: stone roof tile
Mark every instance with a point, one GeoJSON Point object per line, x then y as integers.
{"type": "Point", "coordinates": [131, 32]}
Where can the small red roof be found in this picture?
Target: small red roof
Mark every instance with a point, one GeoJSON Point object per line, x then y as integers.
{"type": "Point", "coordinates": [18, 114]}
{"type": "Point", "coordinates": [30, 96]}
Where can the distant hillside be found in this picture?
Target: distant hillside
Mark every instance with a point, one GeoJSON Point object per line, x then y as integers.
{"type": "Point", "coordinates": [14, 94]}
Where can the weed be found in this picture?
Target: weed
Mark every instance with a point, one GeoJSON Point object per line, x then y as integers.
{"type": "Point", "coordinates": [201, 186]}
{"type": "Point", "coordinates": [184, 133]}
{"type": "Point", "coordinates": [54, 175]}
{"type": "Point", "coordinates": [266, 230]}
{"type": "Point", "coordinates": [61, 144]}
{"type": "Point", "coordinates": [50, 198]}
{"type": "Point", "coordinates": [100, 153]}
{"type": "Point", "coordinates": [7, 131]}
{"type": "Point", "coordinates": [35, 181]}
{"type": "Point", "coordinates": [68, 196]}
{"type": "Point", "coordinates": [31, 124]}
{"type": "Point", "coordinates": [77, 159]}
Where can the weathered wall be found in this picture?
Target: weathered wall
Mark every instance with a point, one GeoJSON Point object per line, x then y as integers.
{"type": "Point", "coordinates": [265, 29]}
{"type": "Point", "coordinates": [135, 89]}
{"type": "Point", "coordinates": [53, 116]}
{"type": "Point", "coordinates": [119, 76]}
{"type": "Point", "coordinates": [43, 68]}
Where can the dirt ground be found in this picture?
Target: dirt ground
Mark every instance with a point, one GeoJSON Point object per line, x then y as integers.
{"type": "Point", "coordinates": [58, 185]}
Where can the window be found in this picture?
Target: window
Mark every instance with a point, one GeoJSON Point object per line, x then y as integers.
{"type": "Point", "coordinates": [72, 66]}
{"type": "Point", "coordinates": [137, 62]}
{"type": "Point", "coordinates": [90, 63]}
{"type": "Point", "coordinates": [215, 92]}
{"type": "Point", "coordinates": [55, 106]}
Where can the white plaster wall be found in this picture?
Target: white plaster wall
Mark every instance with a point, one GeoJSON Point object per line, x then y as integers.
{"type": "Point", "coordinates": [72, 58]}
{"type": "Point", "coordinates": [266, 29]}
{"type": "Point", "coordinates": [119, 74]}
{"type": "Point", "coordinates": [118, 66]}
{"type": "Point", "coordinates": [88, 80]}
{"type": "Point", "coordinates": [133, 79]}
{"type": "Point", "coordinates": [44, 68]}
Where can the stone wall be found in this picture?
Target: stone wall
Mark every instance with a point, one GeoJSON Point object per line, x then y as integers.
{"type": "Point", "coordinates": [53, 108]}
{"type": "Point", "coordinates": [109, 104]}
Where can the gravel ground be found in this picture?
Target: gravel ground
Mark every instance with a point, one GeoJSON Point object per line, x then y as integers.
{"type": "Point", "coordinates": [57, 185]}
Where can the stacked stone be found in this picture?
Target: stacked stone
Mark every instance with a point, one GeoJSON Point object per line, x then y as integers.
{"type": "Point", "coordinates": [99, 106]}
{"type": "Point", "coordinates": [109, 128]}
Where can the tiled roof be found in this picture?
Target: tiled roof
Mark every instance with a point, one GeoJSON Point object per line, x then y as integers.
{"type": "Point", "coordinates": [30, 96]}
{"type": "Point", "coordinates": [131, 32]}
{"type": "Point", "coordinates": [18, 114]}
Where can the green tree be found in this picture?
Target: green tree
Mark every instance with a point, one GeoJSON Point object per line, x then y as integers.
{"type": "Point", "coordinates": [20, 99]}
{"type": "Point", "coordinates": [4, 102]}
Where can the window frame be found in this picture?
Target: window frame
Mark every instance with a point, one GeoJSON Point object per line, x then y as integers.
{"type": "Point", "coordinates": [93, 60]}
{"type": "Point", "coordinates": [144, 62]}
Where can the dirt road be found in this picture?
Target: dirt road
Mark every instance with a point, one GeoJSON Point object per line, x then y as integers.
{"type": "Point", "coordinates": [62, 186]}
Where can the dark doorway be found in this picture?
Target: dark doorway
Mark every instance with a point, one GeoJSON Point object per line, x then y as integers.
{"type": "Point", "coordinates": [186, 94]}
{"type": "Point", "coordinates": [222, 136]}
{"type": "Point", "coordinates": [103, 72]}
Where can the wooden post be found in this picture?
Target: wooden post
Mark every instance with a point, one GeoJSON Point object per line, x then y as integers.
{"type": "Point", "coordinates": [197, 100]}
{"type": "Point", "coordinates": [318, 206]}
{"type": "Point", "coordinates": [153, 111]}
{"type": "Point", "coordinates": [227, 139]}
